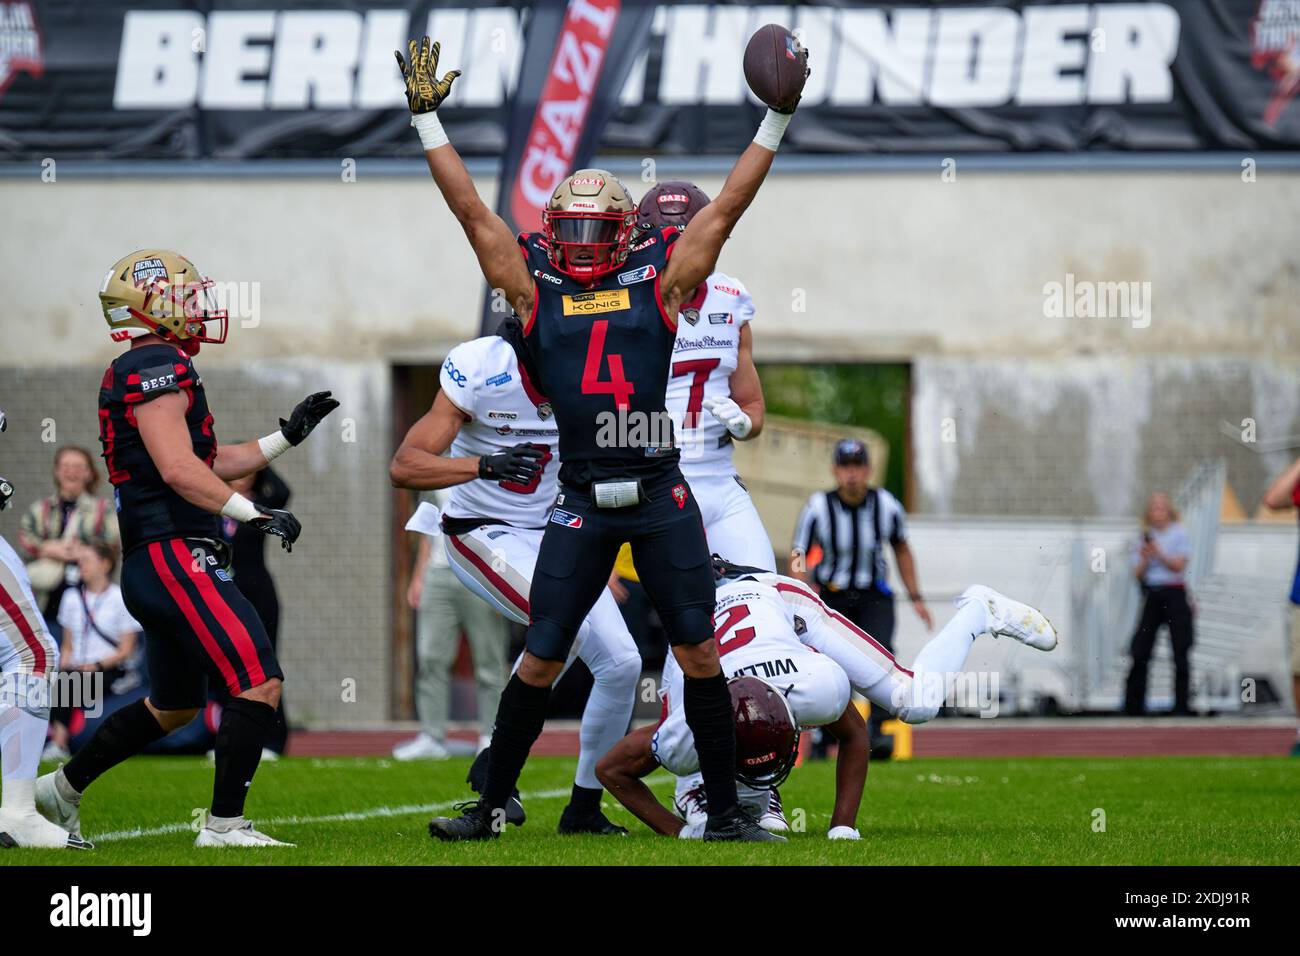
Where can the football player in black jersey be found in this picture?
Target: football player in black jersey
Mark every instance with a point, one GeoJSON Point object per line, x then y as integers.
{"type": "Point", "coordinates": [600, 319]}
{"type": "Point", "coordinates": [169, 476]}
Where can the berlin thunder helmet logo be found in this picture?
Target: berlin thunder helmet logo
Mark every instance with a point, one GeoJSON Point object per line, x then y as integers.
{"type": "Point", "coordinates": [21, 46]}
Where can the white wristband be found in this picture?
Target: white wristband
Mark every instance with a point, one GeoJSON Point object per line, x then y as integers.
{"type": "Point", "coordinates": [430, 129]}
{"type": "Point", "coordinates": [273, 445]}
{"type": "Point", "coordinates": [772, 129]}
{"type": "Point", "coordinates": [239, 508]}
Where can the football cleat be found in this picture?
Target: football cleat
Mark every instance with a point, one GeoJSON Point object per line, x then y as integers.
{"type": "Point", "coordinates": [1008, 618]}
{"type": "Point", "coordinates": [773, 818]}
{"type": "Point", "coordinates": [474, 823]}
{"type": "Point", "coordinates": [31, 830]}
{"type": "Point", "coordinates": [237, 832]}
{"type": "Point", "coordinates": [422, 747]}
{"type": "Point", "coordinates": [735, 826]}
{"type": "Point", "coordinates": [477, 780]}
{"type": "Point", "coordinates": [592, 821]}
{"type": "Point", "coordinates": [58, 802]}
{"type": "Point", "coordinates": [693, 806]}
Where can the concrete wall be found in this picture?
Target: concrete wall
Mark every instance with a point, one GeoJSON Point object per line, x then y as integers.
{"type": "Point", "coordinates": [885, 265]}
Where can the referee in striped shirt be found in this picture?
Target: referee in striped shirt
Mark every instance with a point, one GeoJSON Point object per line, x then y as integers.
{"type": "Point", "coordinates": [850, 525]}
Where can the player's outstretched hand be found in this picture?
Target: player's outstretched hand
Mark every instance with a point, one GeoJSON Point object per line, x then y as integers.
{"type": "Point", "coordinates": [282, 524]}
{"type": "Point", "coordinates": [306, 415]}
{"type": "Point", "coordinates": [6, 493]}
{"type": "Point", "coordinates": [424, 91]}
{"type": "Point", "coordinates": [519, 463]}
{"type": "Point", "coordinates": [731, 415]}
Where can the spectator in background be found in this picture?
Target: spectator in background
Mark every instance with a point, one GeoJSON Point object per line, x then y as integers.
{"type": "Point", "coordinates": [267, 490]}
{"type": "Point", "coordinates": [444, 608]}
{"type": "Point", "coordinates": [850, 526]}
{"type": "Point", "coordinates": [1282, 494]}
{"type": "Point", "coordinates": [99, 635]}
{"type": "Point", "coordinates": [54, 529]}
{"type": "Point", "coordinates": [1160, 564]}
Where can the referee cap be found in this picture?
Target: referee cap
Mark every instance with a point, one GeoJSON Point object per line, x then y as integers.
{"type": "Point", "coordinates": [851, 451]}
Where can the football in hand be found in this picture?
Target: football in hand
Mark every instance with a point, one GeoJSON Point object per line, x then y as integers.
{"type": "Point", "coordinates": [776, 65]}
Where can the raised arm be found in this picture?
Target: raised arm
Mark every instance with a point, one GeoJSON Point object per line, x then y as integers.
{"type": "Point", "coordinates": [498, 254]}
{"type": "Point", "coordinates": [1278, 496]}
{"type": "Point", "coordinates": [696, 252]}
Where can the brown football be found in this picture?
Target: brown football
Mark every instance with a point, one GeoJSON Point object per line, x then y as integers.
{"type": "Point", "coordinates": [776, 65]}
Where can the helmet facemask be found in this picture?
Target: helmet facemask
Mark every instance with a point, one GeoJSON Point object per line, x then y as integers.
{"type": "Point", "coordinates": [588, 225]}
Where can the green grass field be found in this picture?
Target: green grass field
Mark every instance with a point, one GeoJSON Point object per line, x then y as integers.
{"type": "Point", "coordinates": [1171, 810]}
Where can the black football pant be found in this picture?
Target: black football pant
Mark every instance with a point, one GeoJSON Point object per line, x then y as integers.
{"type": "Point", "coordinates": [197, 624]}
{"type": "Point", "coordinates": [577, 554]}
{"type": "Point", "coordinates": [1167, 605]}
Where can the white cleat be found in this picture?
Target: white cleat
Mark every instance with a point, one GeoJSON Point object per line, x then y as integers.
{"type": "Point", "coordinates": [693, 807]}
{"type": "Point", "coordinates": [773, 818]}
{"type": "Point", "coordinates": [59, 803]}
{"type": "Point", "coordinates": [1008, 618]}
{"type": "Point", "coordinates": [33, 831]}
{"type": "Point", "coordinates": [238, 832]}
{"type": "Point", "coordinates": [422, 747]}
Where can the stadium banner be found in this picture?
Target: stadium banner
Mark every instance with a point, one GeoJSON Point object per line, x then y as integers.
{"type": "Point", "coordinates": [240, 79]}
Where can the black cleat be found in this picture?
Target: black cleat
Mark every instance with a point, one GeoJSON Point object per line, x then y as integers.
{"type": "Point", "coordinates": [590, 821]}
{"type": "Point", "coordinates": [477, 780]}
{"type": "Point", "coordinates": [735, 826]}
{"type": "Point", "coordinates": [474, 823]}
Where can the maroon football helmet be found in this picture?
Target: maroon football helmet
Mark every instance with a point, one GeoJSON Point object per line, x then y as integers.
{"type": "Point", "coordinates": [767, 734]}
{"type": "Point", "coordinates": [669, 204]}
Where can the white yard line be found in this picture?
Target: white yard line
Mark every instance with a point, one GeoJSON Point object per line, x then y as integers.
{"type": "Point", "coordinates": [351, 816]}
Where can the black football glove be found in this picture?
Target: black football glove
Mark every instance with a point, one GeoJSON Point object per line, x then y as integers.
{"type": "Point", "coordinates": [279, 523]}
{"type": "Point", "coordinates": [6, 492]}
{"type": "Point", "coordinates": [306, 415]}
{"type": "Point", "coordinates": [520, 463]}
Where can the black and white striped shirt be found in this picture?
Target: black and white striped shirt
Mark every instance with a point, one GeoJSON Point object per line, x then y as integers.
{"type": "Point", "coordinates": [849, 538]}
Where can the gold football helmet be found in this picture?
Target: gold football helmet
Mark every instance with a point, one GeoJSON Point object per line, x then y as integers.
{"type": "Point", "coordinates": [157, 291]}
{"type": "Point", "coordinates": [588, 224]}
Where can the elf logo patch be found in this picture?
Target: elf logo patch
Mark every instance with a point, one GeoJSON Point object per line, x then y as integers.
{"type": "Point", "coordinates": [565, 518]}
{"type": "Point", "coordinates": [594, 303]}
{"type": "Point", "coordinates": [633, 276]}
{"type": "Point", "coordinates": [680, 495]}
{"type": "Point", "coordinates": [719, 318]}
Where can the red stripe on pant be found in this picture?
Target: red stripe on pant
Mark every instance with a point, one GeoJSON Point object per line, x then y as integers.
{"type": "Point", "coordinates": [228, 619]}
{"type": "Point", "coordinates": [215, 653]}
{"type": "Point", "coordinates": [10, 606]}
{"type": "Point", "coordinates": [846, 622]}
{"type": "Point", "coordinates": [497, 580]}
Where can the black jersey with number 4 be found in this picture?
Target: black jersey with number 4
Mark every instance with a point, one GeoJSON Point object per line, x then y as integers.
{"type": "Point", "coordinates": [148, 509]}
{"type": "Point", "coordinates": [603, 352]}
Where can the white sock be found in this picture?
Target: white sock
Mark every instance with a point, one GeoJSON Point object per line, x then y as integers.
{"type": "Point", "coordinates": [604, 722]}
{"type": "Point", "coordinates": [22, 738]}
{"type": "Point", "coordinates": [943, 655]}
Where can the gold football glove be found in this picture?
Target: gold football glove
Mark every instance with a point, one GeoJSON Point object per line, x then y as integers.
{"type": "Point", "coordinates": [424, 91]}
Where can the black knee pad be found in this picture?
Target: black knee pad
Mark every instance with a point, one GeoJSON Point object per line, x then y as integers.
{"type": "Point", "coordinates": [688, 625]}
{"type": "Point", "coordinates": [549, 641]}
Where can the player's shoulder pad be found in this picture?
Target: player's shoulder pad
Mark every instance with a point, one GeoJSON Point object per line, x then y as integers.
{"type": "Point", "coordinates": [462, 372]}
{"type": "Point", "coordinates": [149, 372]}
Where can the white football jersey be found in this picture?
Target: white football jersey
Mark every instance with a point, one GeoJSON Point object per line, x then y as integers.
{"type": "Point", "coordinates": [759, 634]}
{"type": "Point", "coordinates": [704, 356]}
{"type": "Point", "coordinates": [482, 378]}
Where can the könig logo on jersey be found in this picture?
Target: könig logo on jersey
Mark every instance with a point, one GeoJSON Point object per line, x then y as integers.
{"type": "Point", "coordinates": [594, 303]}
